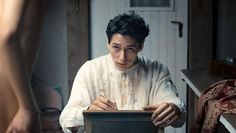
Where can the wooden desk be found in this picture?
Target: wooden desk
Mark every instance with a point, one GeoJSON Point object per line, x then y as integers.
{"type": "Point", "coordinates": [120, 121]}
{"type": "Point", "coordinates": [200, 80]}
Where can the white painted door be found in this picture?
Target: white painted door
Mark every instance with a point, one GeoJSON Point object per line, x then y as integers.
{"type": "Point", "coordinates": [164, 42]}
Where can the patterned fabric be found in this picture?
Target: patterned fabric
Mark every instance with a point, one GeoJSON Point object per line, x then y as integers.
{"type": "Point", "coordinates": [217, 99]}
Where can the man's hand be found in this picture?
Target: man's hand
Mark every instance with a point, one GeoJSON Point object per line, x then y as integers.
{"type": "Point", "coordinates": [164, 114]}
{"type": "Point", "coordinates": [25, 121]}
{"type": "Point", "coordinates": [101, 103]}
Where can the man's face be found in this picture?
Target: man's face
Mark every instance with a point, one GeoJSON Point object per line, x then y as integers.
{"type": "Point", "coordinates": [124, 50]}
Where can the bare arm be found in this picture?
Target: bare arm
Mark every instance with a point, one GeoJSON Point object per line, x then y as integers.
{"type": "Point", "coordinates": [11, 57]}
{"type": "Point", "coordinates": [11, 53]}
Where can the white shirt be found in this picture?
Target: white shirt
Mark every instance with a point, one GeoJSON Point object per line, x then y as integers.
{"type": "Point", "coordinates": [146, 83]}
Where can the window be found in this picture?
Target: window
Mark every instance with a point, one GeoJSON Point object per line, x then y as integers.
{"type": "Point", "coordinates": [148, 5]}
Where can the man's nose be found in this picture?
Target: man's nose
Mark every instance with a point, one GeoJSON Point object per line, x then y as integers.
{"type": "Point", "coordinates": [123, 56]}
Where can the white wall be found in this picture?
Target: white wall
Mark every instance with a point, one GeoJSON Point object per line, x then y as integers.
{"type": "Point", "coordinates": [51, 68]}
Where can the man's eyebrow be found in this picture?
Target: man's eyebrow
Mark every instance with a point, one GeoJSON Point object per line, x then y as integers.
{"type": "Point", "coordinates": [132, 45]}
{"type": "Point", "coordinates": [115, 43]}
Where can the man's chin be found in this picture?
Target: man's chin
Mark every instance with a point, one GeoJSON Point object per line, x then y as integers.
{"type": "Point", "coordinates": [122, 68]}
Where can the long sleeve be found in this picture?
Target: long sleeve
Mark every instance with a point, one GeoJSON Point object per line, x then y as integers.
{"type": "Point", "coordinates": [80, 100]}
{"type": "Point", "coordinates": [146, 83]}
{"type": "Point", "coordinates": [165, 91]}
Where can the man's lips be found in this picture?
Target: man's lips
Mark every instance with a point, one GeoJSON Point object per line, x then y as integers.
{"type": "Point", "coordinates": [122, 64]}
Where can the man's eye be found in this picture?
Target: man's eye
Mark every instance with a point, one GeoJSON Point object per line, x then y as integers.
{"type": "Point", "coordinates": [131, 49]}
{"type": "Point", "coordinates": [116, 48]}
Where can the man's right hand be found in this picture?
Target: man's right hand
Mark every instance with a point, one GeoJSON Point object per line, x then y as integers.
{"type": "Point", "coordinates": [101, 103]}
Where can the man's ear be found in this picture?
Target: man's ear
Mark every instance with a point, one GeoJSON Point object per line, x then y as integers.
{"type": "Point", "coordinates": [140, 47]}
{"type": "Point", "coordinates": [108, 45]}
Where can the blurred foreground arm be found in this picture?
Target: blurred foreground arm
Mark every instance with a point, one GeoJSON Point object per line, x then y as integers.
{"type": "Point", "coordinates": [11, 57]}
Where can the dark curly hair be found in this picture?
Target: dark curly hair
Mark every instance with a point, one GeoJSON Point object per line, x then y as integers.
{"type": "Point", "coordinates": [128, 24]}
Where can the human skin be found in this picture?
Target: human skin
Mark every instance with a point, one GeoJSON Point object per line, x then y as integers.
{"type": "Point", "coordinates": [19, 111]}
{"type": "Point", "coordinates": [124, 50]}
{"type": "Point", "coordinates": [164, 114]}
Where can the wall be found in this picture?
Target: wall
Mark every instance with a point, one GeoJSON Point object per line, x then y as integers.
{"type": "Point", "coordinates": [77, 36]}
{"type": "Point", "coordinates": [226, 29]}
{"type": "Point", "coordinates": [200, 34]}
{"type": "Point", "coordinates": [51, 68]}
{"type": "Point", "coordinates": [199, 46]}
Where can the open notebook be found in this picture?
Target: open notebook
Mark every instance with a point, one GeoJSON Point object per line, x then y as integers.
{"type": "Point", "coordinates": [121, 121]}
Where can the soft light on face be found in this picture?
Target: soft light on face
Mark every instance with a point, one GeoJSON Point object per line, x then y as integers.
{"type": "Point", "coordinates": [124, 50]}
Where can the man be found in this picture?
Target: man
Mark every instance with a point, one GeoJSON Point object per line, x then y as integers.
{"type": "Point", "coordinates": [20, 26]}
{"type": "Point", "coordinates": [124, 80]}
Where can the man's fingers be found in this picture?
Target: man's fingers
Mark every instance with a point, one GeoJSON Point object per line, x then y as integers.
{"type": "Point", "coordinates": [93, 107]}
{"type": "Point", "coordinates": [167, 123]}
{"type": "Point", "coordinates": [101, 103]}
{"type": "Point", "coordinates": [162, 114]}
{"type": "Point", "coordinates": [163, 118]}
{"type": "Point", "coordinates": [161, 108]}
{"type": "Point", "coordinates": [165, 114]}
{"type": "Point", "coordinates": [106, 101]}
